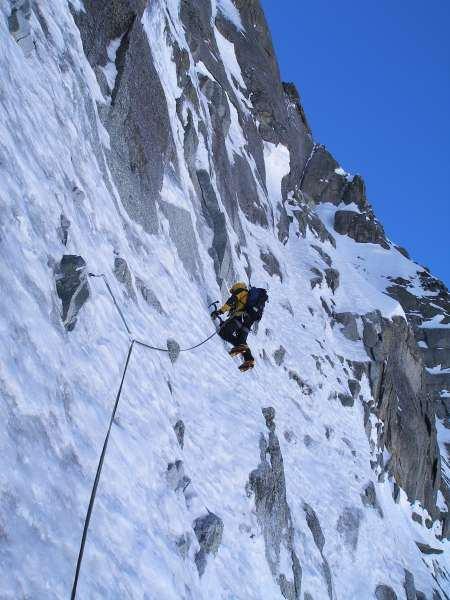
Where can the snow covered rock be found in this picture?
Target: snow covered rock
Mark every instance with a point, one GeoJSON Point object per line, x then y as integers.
{"type": "Point", "coordinates": [410, 588]}
{"type": "Point", "coordinates": [317, 279]}
{"type": "Point", "coordinates": [173, 348]}
{"type": "Point", "coordinates": [332, 278]}
{"type": "Point", "coordinates": [398, 385]}
{"type": "Point", "coordinates": [63, 229]}
{"type": "Point", "coordinates": [155, 142]}
{"type": "Point", "coordinates": [72, 287]}
{"type": "Point", "coordinates": [279, 355]}
{"type": "Point", "coordinates": [176, 477]}
{"type": "Point", "coordinates": [384, 592]}
{"type": "Point", "coordinates": [350, 326]}
{"type": "Point", "coordinates": [148, 295]}
{"type": "Point", "coordinates": [139, 132]}
{"type": "Point", "coordinates": [209, 531]}
{"type": "Point", "coordinates": [359, 227]}
{"type": "Point", "coordinates": [346, 399]}
{"type": "Point", "coordinates": [123, 275]}
{"type": "Point", "coordinates": [267, 483]}
{"type": "Point", "coordinates": [19, 24]}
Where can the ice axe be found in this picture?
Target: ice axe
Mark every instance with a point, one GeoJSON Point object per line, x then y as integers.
{"type": "Point", "coordinates": [215, 304]}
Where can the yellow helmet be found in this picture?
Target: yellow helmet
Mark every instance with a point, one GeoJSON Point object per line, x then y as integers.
{"type": "Point", "coordinates": [240, 285]}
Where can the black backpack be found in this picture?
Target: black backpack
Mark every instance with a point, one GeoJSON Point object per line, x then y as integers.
{"type": "Point", "coordinates": [257, 298]}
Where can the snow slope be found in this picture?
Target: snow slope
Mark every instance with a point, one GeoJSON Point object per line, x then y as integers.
{"type": "Point", "coordinates": [58, 386]}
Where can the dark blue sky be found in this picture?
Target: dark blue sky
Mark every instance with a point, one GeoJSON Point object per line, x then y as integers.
{"type": "Point", "coordinates": [374, 78]}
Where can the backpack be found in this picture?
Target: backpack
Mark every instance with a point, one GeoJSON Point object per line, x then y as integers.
{"type": "Point", "coordinates": [257, 298]}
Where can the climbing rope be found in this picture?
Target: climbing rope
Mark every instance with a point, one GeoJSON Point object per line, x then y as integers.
{"type": "Point", "coordinates": [113, 414]}
{"type": "Point", "coordinates": [102, 276]}
{"type": "Point", "coordinates": [97, 477]}
{"type": "Point", "coordinates": [181, 349]}
{"type": "Point", "coordinates": [145, 345]}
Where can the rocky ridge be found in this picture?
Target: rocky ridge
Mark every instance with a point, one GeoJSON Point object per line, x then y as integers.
{"type": "Point", "coordinates": [193, 136]}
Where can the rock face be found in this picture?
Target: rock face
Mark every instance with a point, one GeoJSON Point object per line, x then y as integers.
{"type": "Point", "coordinates": [209, 530]}
{"type": "Point", "coordinates": [19, 24]}
{"type": "Point", "coordinates": [72, 287]}
{"type": "Point", "coordinates": [148, 295]}
{"type": "Point", "coordinates": [410, 588]}
{"type": "Point", "coordinates": [359, 227]}
{"type": "Point", "coordinates": [429, 315]}
{"type": "Point", "coordinates": [123, 275]}
{"type": "Point", "coordinates": [63, 229]}
{"type": "Point", "coordinates": [279, 355]}
{"type": "Point", "coordinates": [319, 539]}
{"type": "Point", "coordinates": [384, 592]}
{"type": "Point", "coordinates": [332, 279]}
{"type": "Point", "coordinates": [369, 498]}
{"type": "Point", "coordinates": [268, 485]}
{"type": "Point", "coordinates": [138, 124]}
{"type": "Point", "coordinates": [348, 526]}
{"type": "Point", "coordinates": [173, 349]}
{"type": "Point", "coordinates": [294, 97]}
{"type": "Point", "coordinates": [176, 477]}
{"type": "Point", "coordinates": [179, 429]}
{"type": "Point", "coordinates": [324, 181]}
{"type": "Point", "coordinates": [271, 265]}
{"type": "Point", "coordinates": [403, 405]}
{"type": "Point", "coordinates": [157, 139]}
{"type": "Point", "coordinates": [350, 325]}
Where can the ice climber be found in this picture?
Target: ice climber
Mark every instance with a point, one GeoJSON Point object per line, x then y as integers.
{"type": "Point", "coordinates": [245, 307]}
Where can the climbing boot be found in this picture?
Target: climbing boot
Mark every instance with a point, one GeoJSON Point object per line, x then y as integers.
{"type": "Point", "coordinates": [248, 364]}
{"type": "Point", "coordinates": [236, 350]}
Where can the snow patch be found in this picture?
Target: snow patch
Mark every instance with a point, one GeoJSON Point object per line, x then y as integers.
{"type": "Point", "coordinates": [57, 409]}
{"type": "Point", "coordinates": [110, 69]}
{"type": "Point", "coordinates": [340, 171]}
{"type": "Point", "coordinates": [235, 141]}
{"type": "Point", "coordinates": [351, 207]}
{"type": "Point", "coordinates": [232, 68]}
{"type": "Point", "coordinates": [362, 268]}
{"type": "Point", "coordinates": [435, 323]}
{"type": "Point", "coordinates": [437, 370]}
{"type": "Point", "coordinates": [277, 160]}
{"type": "Point", "coordinates": [441, 503]}
{"type": "Point", "coordinates": [230, 12]}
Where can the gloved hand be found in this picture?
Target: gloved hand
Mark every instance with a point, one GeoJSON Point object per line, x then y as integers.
{"type": "Point", "coordinates": [215, 314]}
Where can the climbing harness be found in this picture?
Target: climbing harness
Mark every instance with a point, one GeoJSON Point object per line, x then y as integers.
{"type": "Point", "coordinates": [133, 342]}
